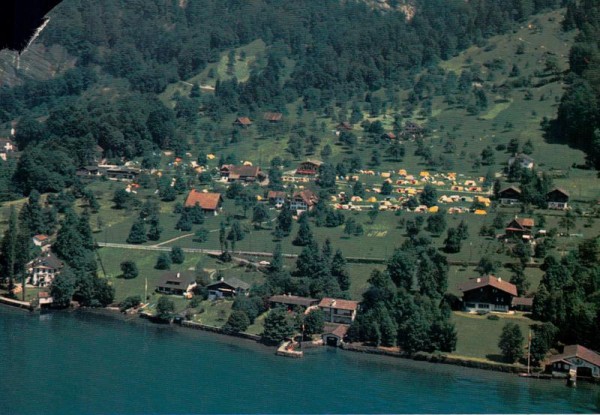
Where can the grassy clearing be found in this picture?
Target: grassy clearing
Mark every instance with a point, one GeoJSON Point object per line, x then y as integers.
{"type": "Point", "coordinates": [478, 337]}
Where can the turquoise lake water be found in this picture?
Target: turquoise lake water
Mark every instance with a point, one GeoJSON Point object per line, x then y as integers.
{"type": "Point", "coordinates": [81, 363]}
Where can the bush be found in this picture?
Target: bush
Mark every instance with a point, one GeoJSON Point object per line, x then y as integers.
{"type": "Point", "coordinates": [163, 261]}
{"type": "Point", "coordinates": [131, 301]}
{"type": "Point", "coordinates": [129, 269]}
{"type": "Point", "coordinates": [493, 317]}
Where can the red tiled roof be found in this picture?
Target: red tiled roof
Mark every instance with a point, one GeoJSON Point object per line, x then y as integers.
{"type": "Point", "coordinates": [207, 201]}
{"type": "Point", "coordinates": [243, 121]}
{"type": "Point", "coordinates": [490, 280]}
{"type": "Point", "coordinates": [41, 238]}
{"type": "Point", "coordinates": [575, 350]}
{"type": "Point", "coordinates": [338, 304]}
{"type": "Point", "coordinates": [390, 135]}
{"type": "Point", "coordinates": [308, 196]}
{"type": "Point", "coordinates": [275, 194]}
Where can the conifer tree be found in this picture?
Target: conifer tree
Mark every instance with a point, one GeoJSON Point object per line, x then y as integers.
{"type": "Point", "coordinates": [137, 234]}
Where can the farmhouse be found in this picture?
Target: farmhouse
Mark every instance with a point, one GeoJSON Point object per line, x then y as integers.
{"type": "Point", "coordinates": [243, 122]}
{"type": "Point", "coordinates": [276, 198]}
{"type": "Point", "coordinates": [412, 130]}
{"type": "Point", "coordinates": [292, 301]}
{"type": "Point", "coordinates": [509, 196]}
{"type": "Point", "coordinates": [339, 311]}
{"type": "Point", "coordinates": [229, 287]}
{"type": "Point", "coordinates": [122, 173]}
{"type": "Point", "coordinates": [487, 294]}
{"type": "Point", "coordinates": [523, 160]}
{"type": "Point", "coordinates": [43, 269]}
{"type": "Point", "coordinates": [304, 200]}
{"type": "Point", "coordinates": [309, 167]}
{"type": "Point", "coordinates": [520, 227]}
{"type": "Point", "coordinates": [209, 202]}
{"type": "Point", "coordinates": [272, 117]}
{"type": "Point", "coordinates": [585, 361]}
{"type": "Point", "coordinates": [176, 283]}
{"type": "Point", "coordinates": [242, 173]}
{"type": "Point", "coordinates": [557, 199]}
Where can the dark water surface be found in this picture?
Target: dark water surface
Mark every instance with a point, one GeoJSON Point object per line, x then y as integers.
{"type": "Point", "coordinates": [80, 363]}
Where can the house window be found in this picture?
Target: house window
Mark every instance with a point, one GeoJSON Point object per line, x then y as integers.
{"type": "Point", "coordinates": [470, 305]}
{"type": "Point", "coordinates": [484, 306]}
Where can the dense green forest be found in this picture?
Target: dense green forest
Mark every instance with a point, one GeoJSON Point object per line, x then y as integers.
{"type": "Point", "coordinates": [578, 121]}
{"type": "Point", "coordinates": [339, 51]}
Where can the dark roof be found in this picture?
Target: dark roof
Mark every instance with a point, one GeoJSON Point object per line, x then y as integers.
{"type": "Point", "coordinates": [338, 304]}
{"type": "Point", "coordinates": [293, 300]}
{"type": "Point", "coordinates": [238, 171]}
{"type": "Point", "coordinates": [174, 279]}
{"type": "Point", "coordinates": [514, 189]}
{"type": "Point", "coordinates": [489, 280]}
{"type": "Point", "coordinates": [232, 282]}
{"type": "Point", "coordinates": [558, 190]}
{"type": "Point", "coordinates": [207, 201]}
{"type": "Point", "coordinates": [49, 261]}
{"type": "Point", "coordinates": [576, 350]}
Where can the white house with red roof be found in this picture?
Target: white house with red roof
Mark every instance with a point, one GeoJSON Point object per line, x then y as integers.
{"type": "Point", "coordinates": [339, 311]}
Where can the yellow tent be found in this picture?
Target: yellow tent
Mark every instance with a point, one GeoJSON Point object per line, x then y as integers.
{"type": "Point", "coordinates": [480, 212]}
{"type": "Point", "coordinates": [258, 197]}
{"type": "Point", "coordinates": [385, 175]}
{"type": "Point", "coordinates": [247, 163]}
{"type": "Point", "coordinates": [434, 209]}
{"type": "Point", "coordinates": [424, 174]}
{"type": "Point", "coordinates": [210, 156]}
{"type": "Point", "coordinates": [371, 200]}
{"type": "Point", "coordinates": [402, 172]}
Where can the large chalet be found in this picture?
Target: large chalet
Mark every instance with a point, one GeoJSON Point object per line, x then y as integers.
{"type": "Point", "coordinates": [304, 200]}
{"type": "Point", "coordinates": [557, 199]}
{"type": "Point", "coordinates": [309, 167]}
{"type": "Point", "coordinates": [509, 196]}
{"type": "Point", "coordinates": [520, 227]}
{"type": "Point", "coordinates": [488, 293]}
{"type": "Point", "coordinates": [43, 269]}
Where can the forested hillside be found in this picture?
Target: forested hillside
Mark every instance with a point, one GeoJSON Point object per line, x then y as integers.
{"type": "Point", "coordinates": [129, 51]}
{"type": "Point", "coordinates": [578, 121]}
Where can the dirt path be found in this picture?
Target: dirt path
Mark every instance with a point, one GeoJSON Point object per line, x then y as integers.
{"type": "Point", "coordinates": [175, 239]}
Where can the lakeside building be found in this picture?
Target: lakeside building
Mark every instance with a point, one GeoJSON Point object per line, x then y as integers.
{"type": "Point", "coordinates": [227, 287]}
{"type": "Point", "coordinates": [575, 357]}
{"type": "Point", "coordinates": [488, 294]}
{"type": "Point", "coordinates": [43, 269]}
{"type": "Point", "coordinates": [339, 311]}
{"type": "Point", "coordinates": [176, 283]}
{"type": "Point", "coordinates": [292, 301]}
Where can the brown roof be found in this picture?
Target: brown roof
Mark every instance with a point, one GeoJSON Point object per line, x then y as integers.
{"type": "Point", "coordinates": [390, 135]}
{"type": "Point", "coordinates": [275, 194]}
{"type": "Point", "coordinates": [345, 125]}
{"type": "Point", "coordinates": [308, 196]}
{"type": "Point", "coordinates": [272, 116]}
{"type": "Point", "coordinates": [559, 190]}
{"type": "Point", "coordinates": [174, 279]}
{"type": "Point", "coordinates": [243, 121]}
{"type": "Point", "coordinates": [293, 300]}
{"type": "Point", "coordinates": [575, 350]}
{"type": "Point", "coordinates": [207, 201]}
{"type": "Point", "coordinates": [41, 237]}
{"type": "Point", "coordinates": [338, 304]}
{"type": "Point", "coordinates": [516, 189]}
{"type": "Point", "coordinates": [239, 171]}
{"type": "Point", "coordinates": [522, 301]}
{"type": "Point", "coordinates": [490, 280]}
{"type": "Point", "coordinates": [525, 222]}
{"type": "Point", "coordinates": [338, 330]}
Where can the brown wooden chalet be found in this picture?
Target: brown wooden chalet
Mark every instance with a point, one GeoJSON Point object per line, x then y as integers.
{"type": "Point", "coordinates": [520, 227]}
{"type": "Point", "coordinates": [509, 196]}
{"type": "Point", "coordinates": [242, 173]}
{"type": "Point", "coordinates": [292, 301]}
{"type": "Point", "coordinates": [487, 294]}
{"type": "Point", "coordinates": [209, 202]}
{"type": "Point", "coordinates": [227, 287]}
{"type": "Point", "coordinates": [272, 117]}
{"type": "Point", "coordinates": [121, 173]}
{"type": "Point", "coordinates": [557, 199]}
{"type": "Point", "coordinates": [304, 200]}
{"type": "Point", "coordinates": [243, 122]}
{"type": "Point", "coordinates": [309, 167]}
{"type": "Point", "coordinates": [176, 283]}
{"type": "Point", "coordinates": [584, 361]}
